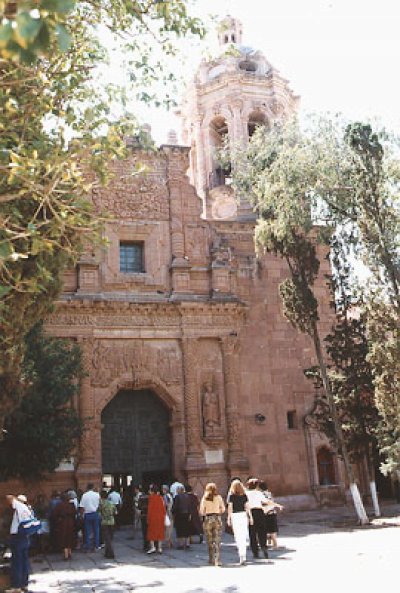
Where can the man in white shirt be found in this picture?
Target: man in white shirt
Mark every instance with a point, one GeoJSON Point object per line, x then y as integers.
{"type": "Point", "coordinates": [19, 544]}
{"type": "Point", "coordinates": [91, 520]}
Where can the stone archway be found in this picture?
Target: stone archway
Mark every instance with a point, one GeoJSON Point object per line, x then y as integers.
{"type": "Point", "coordinates": [136, 436]}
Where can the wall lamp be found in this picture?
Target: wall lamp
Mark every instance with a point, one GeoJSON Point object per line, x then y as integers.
{"type": "Point", "coordinates": [259, 418]}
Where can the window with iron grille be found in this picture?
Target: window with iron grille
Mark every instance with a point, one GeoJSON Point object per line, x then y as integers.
{"type": "Point", "coordinates": [131, 257]}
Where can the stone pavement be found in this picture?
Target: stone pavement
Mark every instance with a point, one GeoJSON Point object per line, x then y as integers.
{"type": "Point", "coordinates": [320, 549]}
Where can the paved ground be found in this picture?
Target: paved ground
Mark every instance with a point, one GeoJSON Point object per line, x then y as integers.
{"type": "Point", "coordinates": [320, 551]}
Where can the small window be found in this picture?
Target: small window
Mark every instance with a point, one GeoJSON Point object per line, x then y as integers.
{"type": "Point", "coordinates": [233, 38]}
{"type": "Point", "coordinates": [131, 257]}
{"type": "Point", "coordinates": [291, 419]}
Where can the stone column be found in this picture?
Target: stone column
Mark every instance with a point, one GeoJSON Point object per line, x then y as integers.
{"type": "Point", "coordinates": [176, 170]}
{"type": "Point", "coordinates": [237, 125]}
{"type": "Point", "coordinates": [88, 469]}
{"type": "Point", "coordinates": [194, 456]}
{"type": "Point", "coordinates": [201, 172]}
{"type": "Point", "coordinates": [237, 461]}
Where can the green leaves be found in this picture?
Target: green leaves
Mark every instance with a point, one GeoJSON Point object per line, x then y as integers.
{"type": "Point", "coordinates": [45, 421]}
{"type": "Point", "coordinates": [30, 29]}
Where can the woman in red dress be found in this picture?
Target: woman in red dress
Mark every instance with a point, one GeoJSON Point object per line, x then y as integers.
{"type": "Point", "coordinates": [65, 525]}
{"type": "Point", "coordinates": [155, 520]}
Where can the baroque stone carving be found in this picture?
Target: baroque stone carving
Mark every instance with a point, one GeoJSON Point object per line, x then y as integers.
{"type": "Point", "coordinates": [211, 411]}
{"type": "Point", "coordinates": [111, 360]}
{"type": "Point", "coordinates": [143, 197]}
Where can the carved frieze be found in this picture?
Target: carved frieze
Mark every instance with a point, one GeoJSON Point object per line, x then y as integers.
{"type": "Point", "coordinates": [113, 358]}
{"type": "Point", "coordinates": [134, 196]}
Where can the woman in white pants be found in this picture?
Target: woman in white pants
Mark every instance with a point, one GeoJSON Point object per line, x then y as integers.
{"type": "Point", "coordinates": [239, 517]}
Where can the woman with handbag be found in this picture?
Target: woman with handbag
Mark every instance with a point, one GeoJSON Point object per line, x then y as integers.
{"type": "Point", "coordinates": [239, 517]}
{"type": "Point", "coordinates": [212, 508]}
{"type": "Point", "coordinates": [155, 520]}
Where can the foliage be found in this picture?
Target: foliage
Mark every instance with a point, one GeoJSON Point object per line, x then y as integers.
{"type": "Point", "coordinates": [350, 376]}
{"type": "Point", "coordinates": [343, 178]}
{"type": "Point", "coordinates": [44, 428]}
{"type": "Point", "coordinates": [57, 137]}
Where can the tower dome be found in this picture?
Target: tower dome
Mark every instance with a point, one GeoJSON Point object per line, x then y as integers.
{"type": "Point", "coordinates": [231, 94]}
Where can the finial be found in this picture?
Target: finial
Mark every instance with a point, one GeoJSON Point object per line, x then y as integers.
{"type": "Point", "coordinates": [172, 137]}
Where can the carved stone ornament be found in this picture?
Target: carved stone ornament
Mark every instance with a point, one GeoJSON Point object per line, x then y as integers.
{"type": "Point", "coordinates": [139, 197]}
{"type": "Point", "coordinates": [224, 205]}
{"type": "Point", "coordinates": [210, 411]}
{"type": "Point", "coordinates": [111, 360]}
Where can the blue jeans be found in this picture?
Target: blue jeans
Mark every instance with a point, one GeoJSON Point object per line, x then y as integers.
{"type": "Point", "coordinates": [91, 526]}
{"type": "Point", "coordinates": [19, 561]}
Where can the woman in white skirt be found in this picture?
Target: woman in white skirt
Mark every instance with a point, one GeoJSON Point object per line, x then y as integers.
{"type": "Point", "coordinates": [239, 517]}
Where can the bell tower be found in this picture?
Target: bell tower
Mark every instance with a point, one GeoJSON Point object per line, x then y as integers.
{"type": "Point", "coordinates": [230, 96]}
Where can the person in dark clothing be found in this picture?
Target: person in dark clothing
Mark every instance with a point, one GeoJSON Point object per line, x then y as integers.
{"type": "Point", "coordinates": [142, 506]}
{"type": "Point", "coordinates": [65, 525]}
{"type": "Point", "coordinates": [196, 524]}
{"type": "Point", "coordinates": [54, 501]}
{"type": "Point", "coordinates": [181, 512]}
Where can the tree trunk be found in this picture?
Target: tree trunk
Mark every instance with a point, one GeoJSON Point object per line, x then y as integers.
{"type": "Point", "coordinates": [372, 484]}
{"type": "Point", "coordinates": [358, 504]}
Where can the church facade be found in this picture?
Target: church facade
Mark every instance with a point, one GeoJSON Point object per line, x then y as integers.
{"type": "Point", "coordinates": [192, 370]}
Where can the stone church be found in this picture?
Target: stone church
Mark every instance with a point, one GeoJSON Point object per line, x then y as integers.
{"type": "Point", "coordinates": [192, 370]}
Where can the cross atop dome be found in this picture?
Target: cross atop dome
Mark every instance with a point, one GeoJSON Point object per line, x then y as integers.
{"type": "Point", "coordinates": [230, 30]}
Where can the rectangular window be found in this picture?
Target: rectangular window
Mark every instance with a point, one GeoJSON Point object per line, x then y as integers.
{"type": "Point", "coordinates": [291, 419]}
{"type": "Point", "coordinates": [131, 257]}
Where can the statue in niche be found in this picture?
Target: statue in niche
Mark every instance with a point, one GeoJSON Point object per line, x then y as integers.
{"type": "Point", "coordinates": [210, 409]}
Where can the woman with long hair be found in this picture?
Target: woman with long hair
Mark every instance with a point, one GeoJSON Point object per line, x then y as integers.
{"type": "Point", "coordinates": [212, 508]}
{"type": "Point", "coordinates": [239, 517]}
{"type": "Point", "coordinates": [155, 520]}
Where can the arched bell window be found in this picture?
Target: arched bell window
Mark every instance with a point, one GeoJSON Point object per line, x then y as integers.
{"type": "Point", "coordinates": [256, 119]}
{"type": "Point", "coordinates": [218, 135]}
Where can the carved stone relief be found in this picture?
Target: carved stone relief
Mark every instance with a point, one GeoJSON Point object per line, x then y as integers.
{"type": "Point", "coordinates": [141, 196]}
{"type": "Point", "coordinates": [211, 411]}
{"type": "Point", "coordinates": [113, 358]}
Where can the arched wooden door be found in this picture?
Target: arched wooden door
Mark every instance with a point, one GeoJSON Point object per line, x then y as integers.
{"type": "Point", "coordinates": [135, 438]}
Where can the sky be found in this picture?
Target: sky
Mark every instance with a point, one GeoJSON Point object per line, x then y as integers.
{"type": "Point", "coordinates": [338, 55]}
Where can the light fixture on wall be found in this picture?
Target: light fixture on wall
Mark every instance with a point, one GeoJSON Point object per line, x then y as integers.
{"type": "Point", "coordinates": [259, 418]}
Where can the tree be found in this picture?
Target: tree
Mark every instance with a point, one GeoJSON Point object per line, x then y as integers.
{"type": "Point", "coordinates": [347, 175]}
{"type": "Point", "coordinates": [374, 177]}
{"type": "Point", "coordinates": [44, 428]}
{"type": "Point", "coordinates": [351, 379]}
{"type": "Point", "coordinates": [58, 135]}
{"type": "Point", "coordinates": [279, 172]}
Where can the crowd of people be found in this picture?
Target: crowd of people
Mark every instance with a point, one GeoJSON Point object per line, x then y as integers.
{"type": "Point", "coordinates": [73, 520]}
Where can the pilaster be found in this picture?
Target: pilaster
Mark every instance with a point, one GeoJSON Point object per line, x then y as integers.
{"type": "Point", "coordinates": [237, 462]}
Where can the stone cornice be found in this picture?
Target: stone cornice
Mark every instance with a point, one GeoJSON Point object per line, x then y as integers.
{"type": "Point", "coordinates": [178, 318]}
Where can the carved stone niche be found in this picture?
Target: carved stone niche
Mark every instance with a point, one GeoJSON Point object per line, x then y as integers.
{"type": "Point", "coordinates": [211, 412]}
